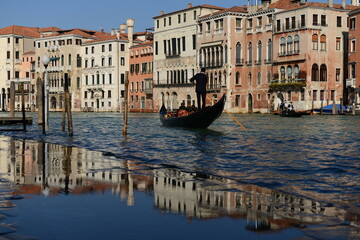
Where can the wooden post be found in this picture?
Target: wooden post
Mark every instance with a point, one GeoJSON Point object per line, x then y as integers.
{"type": "Point", "coordinates": [334, 107]}
{"type": "Point", "coordinates": [67, 106]}
{"type": "Point", "coordinates": [321, 108]}
{"type": "Point", "coordinates": [12, 99]}
{"type": "Point", "coordinates": [23, 106]}
{"type": "Point", "coordinates": [39, 100]}
{"type": "Point", "coordinates": [312, 105]}
{"type": "Point", "coordinates": [126, 103]}
{"type": "Point", "coordinates": [341, 106]}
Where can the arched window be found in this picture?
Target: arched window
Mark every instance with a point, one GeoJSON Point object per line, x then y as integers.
{"type": "Point", "coordinates": [69, 59]}
{"type": "Point", "coordinates": [323, 42]}
{"type": "Point", "coordinates": [237, 78]}
{"type": "Point", "coordinates": [289, 72]}
{"type": "Point", "coordinates": [62, 60]}
{"type": "Point", "coordinates": [296, 44]}
{"type": "Point", "coordinates": [282, 46]}
{"type": "Point", "coordinates": [289, 45]}
{"type": "Point", "coordinates": [323, 73]}
{"type": "Point", "coordinates": [315, 73]}
{"type": "Point", "coordinates": [250, 53]}
{"type": "Point", "coordinates": [238, 53]}
{"type": "Point", "coordinates": [269, 50]}
{"type": "Point", "coordinates": [296, 71]}
{"type": "Point", "coordinates": [259, 52]}
{"type": "Point", "coordinates": [259, 78]}
{"type": "Point", "coordinates": [315, 42]}
{"type": "Point", "coordinates": [282, 72]}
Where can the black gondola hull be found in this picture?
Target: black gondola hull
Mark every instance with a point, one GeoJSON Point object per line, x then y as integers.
{"type": "Point", "coordinates": [200, 119]}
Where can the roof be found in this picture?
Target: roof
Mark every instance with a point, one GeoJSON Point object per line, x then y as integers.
{"type": "Point", "coordinates": [20, 30]}
{"type": "Point", "coordinates": [199, 6]}
{"type": "Point", "coordinates": [232, 9]}
{"type": "Point", "coordinates": [29, 53]}
{"type": "Point", "coordinates": [142, 44]}
{"type": "Point", "coordinates": [291, 4]}
{"type": "Point", "coordinates": [78, 31]}
{"type": "Point", "coordinates": [50, 29]}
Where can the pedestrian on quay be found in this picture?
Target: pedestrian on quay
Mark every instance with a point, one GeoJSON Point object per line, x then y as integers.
{"type": "Point", "coordinates": [200, 80]}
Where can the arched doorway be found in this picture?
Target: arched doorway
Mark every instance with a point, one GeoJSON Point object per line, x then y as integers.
{"type": "Point", "coordinates": [250, 103]}
{"type": "Point", "coordinates": [53, 103]}
{"type": "Point", "coordinates": [174, 102]}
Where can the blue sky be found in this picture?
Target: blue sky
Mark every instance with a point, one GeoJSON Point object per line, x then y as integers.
{"type": "Point", "coordinates": [96, 15]}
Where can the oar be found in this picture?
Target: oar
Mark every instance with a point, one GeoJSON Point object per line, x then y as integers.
{"type": "Point", "coordinates": [211, 98]}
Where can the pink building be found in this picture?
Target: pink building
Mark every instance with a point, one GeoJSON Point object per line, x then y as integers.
{"type": "Point", "coordinates": [353, 81]}
{"type": "Point", "coordinates": [140, 78]}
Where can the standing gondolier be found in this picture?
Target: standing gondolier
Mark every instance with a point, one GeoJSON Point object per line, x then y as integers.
{"type": "Point", "coordinates": [201, 80]}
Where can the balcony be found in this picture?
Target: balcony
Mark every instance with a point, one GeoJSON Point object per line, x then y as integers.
{"type": "Point", "coordinates": [258, 62]}
{"type": "Point", "coordinates": [172, 54]}
{"type": "Point", "coordinates": [351, 82]}
{"type": "Point", "coordinates": [268, 27]}
{"type": "Point", "coordinates": [249, 30]}
{"type": "Point", "coordinates": [268, 61]}
{"type": "Point", "coordinates": [249, 63]}
{"type": "Point", "coordinates": [56, 68]}
{"type": "Point", "coordinates": [239, 61]}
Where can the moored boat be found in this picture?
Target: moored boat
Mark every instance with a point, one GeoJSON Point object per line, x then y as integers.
{"type": "Point", "coordinates": [199, 119]}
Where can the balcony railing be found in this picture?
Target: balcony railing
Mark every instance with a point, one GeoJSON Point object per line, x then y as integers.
{"type": "Point", "coordinates": [239, 61]}
{"type": "Point", "coordinates": [172, 54]}
{"type": "Point", "coordinates": [351, 82]}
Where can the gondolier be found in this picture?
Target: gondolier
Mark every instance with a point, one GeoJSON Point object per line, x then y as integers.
{"type": "Point", "coordinates": [201, 80]}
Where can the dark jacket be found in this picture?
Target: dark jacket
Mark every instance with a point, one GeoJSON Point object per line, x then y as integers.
{"type": "Point", "coordinates": [200, 80]}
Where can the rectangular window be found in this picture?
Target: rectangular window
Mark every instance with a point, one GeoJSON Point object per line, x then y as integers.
{"type": "Point", "coordinates": [110, 78]}
{"type": "Point", "coordinates": [303, 22]}
{"type": "Point", "coordinates": [157, 24]}
{"type": "Point", "coordinates": [293, 22]}
{"type": "Point", "coordinates": [78, 83]}
{"type": "Point", "coordinates": [156, 48]}
{"type": "Point", "coordinates": [353, 45]}
{"type": "Point", "coordinates": [194, 41]}
{"type": "Point", "coordinates": [8, 54]}
{"type": "Point", "coordinates": [237, 100]}
{"type": "Point", "coordinates": [184, 17]}
{"type": "Point", "coordinates": [122, 78]}
{"type": "Point", "coordinates": [122, 47]}
{"type": "Point", "coordinates": [278, 25]}
{"type": "Point", "coordinates": [337, 76]}
{"type": "Point", "coordinates": [110, 47]}
{"type": "Point", "coordinates": [183, 44]}
{"type": "Point", "coordinates": [332, 95]}
{"type": "Point", "coordinates": [164, 22]}
{"type": "Point", "coordinates": [8, 75]}
{"type": "Point", "coordinates": [287, 23]}
{"type": "Point", "coordinates": [169, 21]}
{"type": "Point", "coordinates": [8, 40]}
{"type": "Point", "coordinates": [179, 18]}
{"type": "Point", "coordinates": [352, 23]}
{"type": "Point", "coordinates": [315, 95]}
{"type": "Point", "coordinates": [194, 15]}
{"type": "Point", "coordinates": [323, 20]}
{"type": "Point", "coordinates": [122, 61]}
{"type": "Point", "coordinates": [238, 23]}
{"type": "Point", "coordinates": [338, 43]}
{"type": "Point", "coordinates": [315, 20]}
{"type": "Point", "coordinates": [86, 50]}
{"type": "Point", "coordinates": [322, 95]}
{"type": "Point", "coordinates": [86, 80]}
{"type": "Point", "coordinates": [102, 48]}
{"type": "Point", "coordinates": [338, 21]}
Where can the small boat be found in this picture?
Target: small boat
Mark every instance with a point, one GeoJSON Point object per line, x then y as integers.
{"type": "Point", "coordinates": [292, 114]}
{"type": "Point", "coordinates": [199, 119]}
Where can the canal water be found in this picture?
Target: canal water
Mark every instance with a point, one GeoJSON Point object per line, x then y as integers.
{"type": "Point", "coordinates": [281, 178]}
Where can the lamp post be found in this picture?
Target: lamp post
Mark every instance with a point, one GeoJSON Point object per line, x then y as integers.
{"type": "Point", "coordinates": [45, 61]}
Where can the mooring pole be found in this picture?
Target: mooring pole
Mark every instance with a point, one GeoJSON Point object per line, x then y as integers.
{"type": "Point", "coordinates": [12, 99]}
{"type": "Point", "coordinates": [23, 106]}
{"type": "Point", "coordinates": [68, 104]}
{"type": "Point", "coordinates": [126, 103]}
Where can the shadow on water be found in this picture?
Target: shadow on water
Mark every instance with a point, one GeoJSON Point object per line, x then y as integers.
{"type": "Point", "coordinates": [72, 178]}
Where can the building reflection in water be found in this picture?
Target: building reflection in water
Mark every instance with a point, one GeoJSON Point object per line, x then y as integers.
{"type": "Point", "coordinates": [42, 168]}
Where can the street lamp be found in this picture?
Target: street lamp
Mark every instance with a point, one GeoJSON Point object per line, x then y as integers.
{"type": "Point", "coordinates": [45, 61]}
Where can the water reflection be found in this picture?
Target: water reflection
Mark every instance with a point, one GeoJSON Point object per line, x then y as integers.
{"type": "Point", "coordinates": [41, 168]}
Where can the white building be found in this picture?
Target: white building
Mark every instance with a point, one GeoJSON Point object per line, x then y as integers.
{"type": "Point", "coordinates": [175, 60]}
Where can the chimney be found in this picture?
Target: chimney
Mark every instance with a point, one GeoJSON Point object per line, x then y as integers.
{"type": "Point", "coordinates": [117, 33]}
{"type": "Point", "coordinates": [162, 12]}
{"type": "Point", "coordinates": [123, 28]}
{"type": "Point", "coordinates": [189, 5]}
{"type": "Point", "coordinates": [331, 3]}
{"type": "Point", "coordinates": [130, 26]}
{"type": "Point", "coordinates": [344, 4]}
{"type": "Point", "coordinates": [112, 31]}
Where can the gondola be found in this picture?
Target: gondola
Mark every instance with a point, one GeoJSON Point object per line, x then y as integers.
{"type": "Point", "coordinates": [199, 119]}
{"type": "Point", "coordinates": [292, 114]}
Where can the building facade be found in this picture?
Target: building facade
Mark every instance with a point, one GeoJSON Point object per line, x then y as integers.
{"type": "Point", "coordinates": [352, 92]}
{"type": "Point", "coordinates": [141, 78]}
{"type": "Point", "coordinates": [175, 60]}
